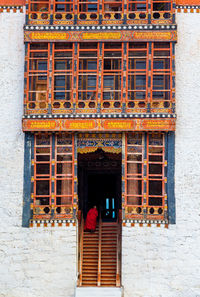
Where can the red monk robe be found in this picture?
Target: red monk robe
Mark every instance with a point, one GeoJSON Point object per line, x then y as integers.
{"type": "Point", "coordinates": [91, 220]}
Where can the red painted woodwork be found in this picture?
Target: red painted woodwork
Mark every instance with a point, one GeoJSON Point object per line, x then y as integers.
{"type": "Point", "coordinates": [45, 197]}
{"type": "Point", "coordinates": [87, 91]}
{"type": "Point", "coordinates": [111, 11]}
{"type": "Point", "coordinates": [141, 170]}
{"type": "Point", "coordinates": [12, 2]}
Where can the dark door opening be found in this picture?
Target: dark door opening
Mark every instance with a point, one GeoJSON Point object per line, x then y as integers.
{"type": "Point", "coordinates": [99, 183]}
{"type": "Point", "coordinates": [103, 191]}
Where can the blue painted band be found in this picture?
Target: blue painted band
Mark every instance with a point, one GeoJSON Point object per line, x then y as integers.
{"type": "Point", "coordinates": [26, 215]}
{"type": "Point", "coordinates": [170, 178]}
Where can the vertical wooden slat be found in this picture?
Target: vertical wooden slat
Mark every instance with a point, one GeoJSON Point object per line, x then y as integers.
{"type": "Point", "coordinates": [118, 252]}
{"type": "Point", "coordinates": [99, 253]}
{"type": "Point", "coordinates": [81, 250]}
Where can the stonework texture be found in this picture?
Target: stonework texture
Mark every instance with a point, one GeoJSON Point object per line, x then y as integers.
{"type": "Point", "coordinates": [159, 262]}
{"type": "Point", "coordinates": [34, 262]}
{"type": "Point", "coordinates": [156, 262]}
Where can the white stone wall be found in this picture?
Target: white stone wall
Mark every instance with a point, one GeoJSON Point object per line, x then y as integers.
{"type": "Point", "coordinates": [160, 262]}
{"type": "Point", "coordinates": [156, 262]}
{"type": "Point", "coordinates": [36, 262]}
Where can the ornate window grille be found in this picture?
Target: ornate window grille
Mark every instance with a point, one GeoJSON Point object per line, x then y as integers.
{"type": "Point", "coordinates": [89, 11]}
{"type": "Point", "coordinates": [112, 73]}
{"type": "Point", "coordinates": [145, 176]}
{"type": "Point", "coordinates": [137, 82]}
{"type": "Point", "coordinates": [53, 180]}
{"type": "Point", "coordinates": [161, 9]}
{"type": "Point", "coordinates": [161, 78]}
{"type": "Point", "coordinates": [39, 9]}
{"type": "Point", "coordinates": [87, 76]}
{"type": "Point", "coordinates": [37, 86]}
{"type": "Point", "coordinates": [63, 10]}
{"type": "Point", "coordinates": [62, 73]}
{"type": "Point", "coordinates": [100, 79]}
{"type": "Point", "coordinates": [137, 10]}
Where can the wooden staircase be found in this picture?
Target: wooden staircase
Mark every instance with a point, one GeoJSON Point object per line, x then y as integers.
{"type": "Point", "coordinates": [90, 258]}
{"type": "Point", "coordinates": [109, 235]}
{"type": "Point", "coordinates": [99, 255]}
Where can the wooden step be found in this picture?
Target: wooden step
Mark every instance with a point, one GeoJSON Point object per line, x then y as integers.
{"type": "Point", "coordinates": [90, 247]}
{"type": "Point", "coordinates": [90, 268]}
{"type": "Point", "coordinates": [90, 256]}
{"type": "Point", "coordinates": [110, 244]}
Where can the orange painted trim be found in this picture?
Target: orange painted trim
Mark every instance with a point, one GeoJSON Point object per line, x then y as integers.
{"type": "Point", "coordinates": [100, 36]}
{"type": "Point", "coordinates": [12, 2]}
{"type": "Point", "coordinates": [187, 2]}
{"type": "Point", "coordinates": [99, 124]}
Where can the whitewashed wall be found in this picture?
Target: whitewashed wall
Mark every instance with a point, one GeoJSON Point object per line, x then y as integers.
{"type": "Point", "coordinates": [157, 262]}
{"type": "Point", "coordinates": [36, 262]}
{"type": "Point", "coordinates": [160, 262]}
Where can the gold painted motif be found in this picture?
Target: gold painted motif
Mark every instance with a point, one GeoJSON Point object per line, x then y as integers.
{"type": "Point", "coordinates": [101, 35]}
{"type": "Point", "coordinates": [99, 125]}
{"type": "Point", "coordinates": [151, 35]}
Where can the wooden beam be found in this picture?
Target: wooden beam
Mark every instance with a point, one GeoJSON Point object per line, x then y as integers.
{"type": "Point", "coordinates": [12, 2]}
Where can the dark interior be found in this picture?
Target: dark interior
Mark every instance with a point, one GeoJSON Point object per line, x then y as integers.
{"type": "Point", "coordinates": [99, 183]}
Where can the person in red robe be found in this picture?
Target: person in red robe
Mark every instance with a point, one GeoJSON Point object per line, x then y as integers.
{"type": "Point", "coordinates": [91, 219]}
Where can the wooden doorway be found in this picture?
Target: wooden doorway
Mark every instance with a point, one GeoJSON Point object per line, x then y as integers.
{"type": "Point", "coordinates": [99, 183]}
{"type": "Point", "coordinates": [99, 177]}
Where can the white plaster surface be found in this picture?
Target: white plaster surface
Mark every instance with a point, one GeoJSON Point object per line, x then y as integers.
{"type": "Point", "coordinates": [98, 292]}
{"type": "Point", "coordinates": [36, 262]}
{"type": "Point", "coordinates": [159, 262]}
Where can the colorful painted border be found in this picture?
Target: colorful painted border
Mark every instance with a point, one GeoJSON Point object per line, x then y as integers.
{"type": "Point", "coordinates": [77, 36]}
{"type": "Point", "coordinates": [11, 8]}
{"type": "Point", "coordinates": [187, 2]}
{"type": "Point", "coordinates": [188, 9]}
{"type": "Point", "coordinates": [12, 2]}
{"type": "Point", "coordinates": [144, 223]}
{"type": "Point", "coordinates": [52, 223]}
{"type": "Point", "coordinates": [99, 125]}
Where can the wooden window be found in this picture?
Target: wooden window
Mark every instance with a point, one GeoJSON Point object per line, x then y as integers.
{"type": "Point", "coordinates": [102, 74]}
{"type": "Point", "coordinates": [63, 6]}
{"type": "Point", "coordinates": [161, 64]}
{"type": "Point", "coordinates": [145, 175]}
{"type": "Point", "coordinates": [137, 9]}
{"type": "Point", "coordinates": [89, 10]}
{"type": "Point", "coordinates": [42, 174]}
{"type": "Point", "coordinates": [39, 9]}
{"type": "Point", "coordinates": [87, 75]}
{"type": "Point", "coordinates": [53, 179]}
{"type": "Point", "coordinates": [88, 6]}
{"type": "Point", "coordinates": [37, 78]}
{"type": "Point", "coordinates": [112, 9]}
{"type": "Point", "coordinates": [161, 9]}
{"type": "Point", "coordinates": [63, 61]}
{"type": "Point", "coordinates": [161, 5]}
{"type": "Point", "coordinates": [135, 169]}
{"type": "Point", "coordinates": [64, 173]}
{"type": "Point", "coordinates": [155, 172]}
{"type": "Point", "coordinates": [112, 70]}
{"type": "Point", "coordinates": [63, 11]}
{"type": "Point", "coordinates": [137, 67]}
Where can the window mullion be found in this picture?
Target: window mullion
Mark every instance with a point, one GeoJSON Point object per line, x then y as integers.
{"type": "Point", "coordinates": [52, 176]}
{"type": "Point", "coordinates": [145, 176]}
